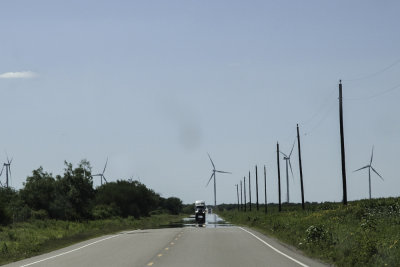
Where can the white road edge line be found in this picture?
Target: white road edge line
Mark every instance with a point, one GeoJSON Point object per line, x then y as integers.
{"type": "Point", "coordinates": [70, 251]}
{"type": "Point", "coordinates": [280, 252]}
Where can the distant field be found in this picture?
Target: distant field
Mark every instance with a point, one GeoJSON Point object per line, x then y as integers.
{"type": "Point", "coordinates": [363, 233]}
{"type": "Point", "coordinates": [27, 239]}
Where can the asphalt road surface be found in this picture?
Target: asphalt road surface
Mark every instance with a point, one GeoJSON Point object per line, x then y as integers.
{"type": "Point", "coordinates": [214, 244]}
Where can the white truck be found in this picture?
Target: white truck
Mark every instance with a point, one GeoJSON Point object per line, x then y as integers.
{"type": "Point", "coordinates": [200, 211]}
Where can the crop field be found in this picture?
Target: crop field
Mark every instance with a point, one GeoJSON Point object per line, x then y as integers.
{"type": "Point", "coordinates": [363, 233]}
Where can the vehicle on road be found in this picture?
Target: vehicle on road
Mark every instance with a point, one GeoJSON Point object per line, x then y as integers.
{"type": "Point", "coordinates": [200, 211]}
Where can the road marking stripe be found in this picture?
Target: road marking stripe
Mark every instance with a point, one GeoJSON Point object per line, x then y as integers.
{"type": "Point", "coordinates": [67, 252]}
{"type": "Point", "coordinates": [280, 252]}
{"type": "Point", "coordinates": [159, 255]}
{"type": "Point", "coordinates": [172, 243]}
{"type": "Point", "coordinates": [166, 248]}
{"type": "Point", "coordinates": [150, 263]}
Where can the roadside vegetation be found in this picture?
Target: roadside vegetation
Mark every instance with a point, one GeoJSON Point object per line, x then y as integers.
{"type": "Point", "coordinates": [53, 212]}
{"type": "Point", "coordinates": [363, 233]}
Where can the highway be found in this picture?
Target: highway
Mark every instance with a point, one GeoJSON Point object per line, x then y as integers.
{"type": "Point", "coordinates": [214, 244]}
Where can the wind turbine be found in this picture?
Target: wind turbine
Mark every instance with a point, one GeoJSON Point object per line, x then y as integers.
{"type": "Point", "coordinates": [213, 175]}
{"type": "Point", "coordinates": [8, 169]}
{"type": "Point", "coordinates": [369, 166]}
{"type": "Point", "coordinates": [288, 164]}
{"type": "Point", "coordinates": [102, 174]}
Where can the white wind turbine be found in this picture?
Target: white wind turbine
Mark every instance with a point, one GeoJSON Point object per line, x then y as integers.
{"type": "Point", "coordinates": [369, 166]}
{"type": "Point", "coordinates": [213, 175]}
{"type": "Point", "coordinates": [288, 164]}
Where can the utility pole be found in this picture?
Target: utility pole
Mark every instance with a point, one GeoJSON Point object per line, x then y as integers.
{"type": "Point", "coordinates": [257, 187]}
{"type": "Point", "coordinates": [265, 189]}
{"type": "Point", "coordinates": [241, 195]}
{"type": "Point", "coordinates": [279, 176]}
{"type": "Point", "coordinates": [249, 191]}
{"type": "Point", "coordinates": [237, 192]}
{"type": "Point", "coordinates": [342, 144]}
{"type": "Point", "coordinates": [301, 168]}
{"type": "Point", "coordinates": [244, 189]}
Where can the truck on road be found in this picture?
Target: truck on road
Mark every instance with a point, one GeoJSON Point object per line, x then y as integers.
{"type": "Point", "coordinates": [200, 211]}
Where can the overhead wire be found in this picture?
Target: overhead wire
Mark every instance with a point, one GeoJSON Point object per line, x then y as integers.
{"type": "Point", "coordinates": [373, 74]}
{"type": "Point", "coordinates": [374, 95]}
{"type": "Point", "coordinates": [323, 118]}
{"type": "Point", "coordinates": [320, 108]}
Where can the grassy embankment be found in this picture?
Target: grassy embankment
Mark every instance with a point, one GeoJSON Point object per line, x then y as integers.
{"type": "Point", "coordinates": [363, 233]}
{"type": "Point", "coordinates": [27, 239]}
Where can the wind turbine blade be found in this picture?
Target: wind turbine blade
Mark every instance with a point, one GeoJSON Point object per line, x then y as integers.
{"type": "Point", "coordinates": [283, 153]}
{"type": "Point", "coordinates": [105, 166]}
{"type": "Point", "coordinates": [210, 178]}
{"type": "Point", "coordinates": [2, 170]}
{"type": "Point", "coordinates": [372, 155]}
{"type": "Point", "coordinates": [105, 179]}
{"type": "Point", "coordinates": [9, 162]}
{"type": "Point", "coordinates": [223, 172]}
{"type": "Point", "coordinates": [377, 173]}
{"type": "Point", "coordinates": [292, 148]}
{"type": "Point", "coordinates": [291, 170]}
{"type": "Point", "coordinates": [362, 168]}
{"type": "Point", "coordinates": [211, 161]}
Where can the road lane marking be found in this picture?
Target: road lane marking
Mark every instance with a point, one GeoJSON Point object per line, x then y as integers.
{"type": "Point", "coordinates": [166, 248]}
{"type": "Point", "coordinates": [150, 263]}
{"type": "Point", "coordinates": [70, 251]}
{"type": "Point", "coordinates": [159, 255]}
{"type": "Point", "coordinates": [76, 249]}
{"type": "Point", "coordinates": [172, 243]}
{"type": "Point", "coordinates": [276, 250]}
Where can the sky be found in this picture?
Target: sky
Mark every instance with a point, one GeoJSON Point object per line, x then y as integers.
{"type": "Point", "coordinates": [156, 85]}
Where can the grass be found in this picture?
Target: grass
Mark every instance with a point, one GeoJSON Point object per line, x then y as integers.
{"type": "Point", "coordinates": [23, 240]}
{"type": "Point", "coordinates": [363, 233]}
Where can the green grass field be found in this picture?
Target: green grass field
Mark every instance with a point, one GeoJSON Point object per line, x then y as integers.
{"type": "Point", "coordinates": [363, 233]}
{"type": "Point", "coordinates": [23, 240]}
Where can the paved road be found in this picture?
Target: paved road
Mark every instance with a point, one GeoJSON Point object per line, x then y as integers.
{"type": "Point", "coordinates": [212, 245]}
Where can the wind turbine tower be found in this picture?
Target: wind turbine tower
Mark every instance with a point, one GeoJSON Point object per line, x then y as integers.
{"type": "Point", "coordinates": [369, 166]}
{"type": "Point", "coordinates": [8, 170]}
{"type": "Point", "coordinates": [288, 164]}
{"type": "Point", "coordinates": [213, 176]}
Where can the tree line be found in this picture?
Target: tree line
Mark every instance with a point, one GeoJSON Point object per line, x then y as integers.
{"type": "Point", "coordinates": [71, 196]}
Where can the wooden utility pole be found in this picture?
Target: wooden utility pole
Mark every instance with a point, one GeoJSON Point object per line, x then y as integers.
{"type": "Point", "coordinates": [237, 192]}
{"type": "Point", "coordinates": [244, 189]}
{"type": "Point", "coordinates": [257, 187]}
{"type": "Point", "coordinates": [241, 196]}
{"type": "Point", "coordinates": [265, 189]}
{"type": "Point", "coordinates": [279, 176]}
{"type": "Point", "coordinates": [249, 191]}
{"type": "Point", "coordinates": [301, 168]}
{"type": "Point", "coordinates": [342, 144]}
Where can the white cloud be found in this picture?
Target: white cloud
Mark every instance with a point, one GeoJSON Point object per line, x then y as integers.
{"type": "Point", "coordinates": [17, 75]}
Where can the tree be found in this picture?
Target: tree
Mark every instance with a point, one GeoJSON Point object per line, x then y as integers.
{"type": "Point", "coordinates": [39, 190]}
{"type": "Point", "coordinates": [74, 192]}
{"type": "Point", "coordinates": [173, 205]}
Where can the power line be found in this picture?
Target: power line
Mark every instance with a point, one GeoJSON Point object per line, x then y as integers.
{"type": "Point", "coordinates": [375, 95]}
{"type": "Point", "coordinates": [322, 119]}
{"type": "Point", "coordinates": [320, 108]}
{"type": "Point", "coordinates": [375, 73]}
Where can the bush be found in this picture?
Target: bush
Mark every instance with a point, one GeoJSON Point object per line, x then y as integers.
{"type": "Point", "coordinates": [105, 211]}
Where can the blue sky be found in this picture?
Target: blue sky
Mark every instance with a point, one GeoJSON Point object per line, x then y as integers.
{"type": "Point", "coordinates": [156, 85]}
